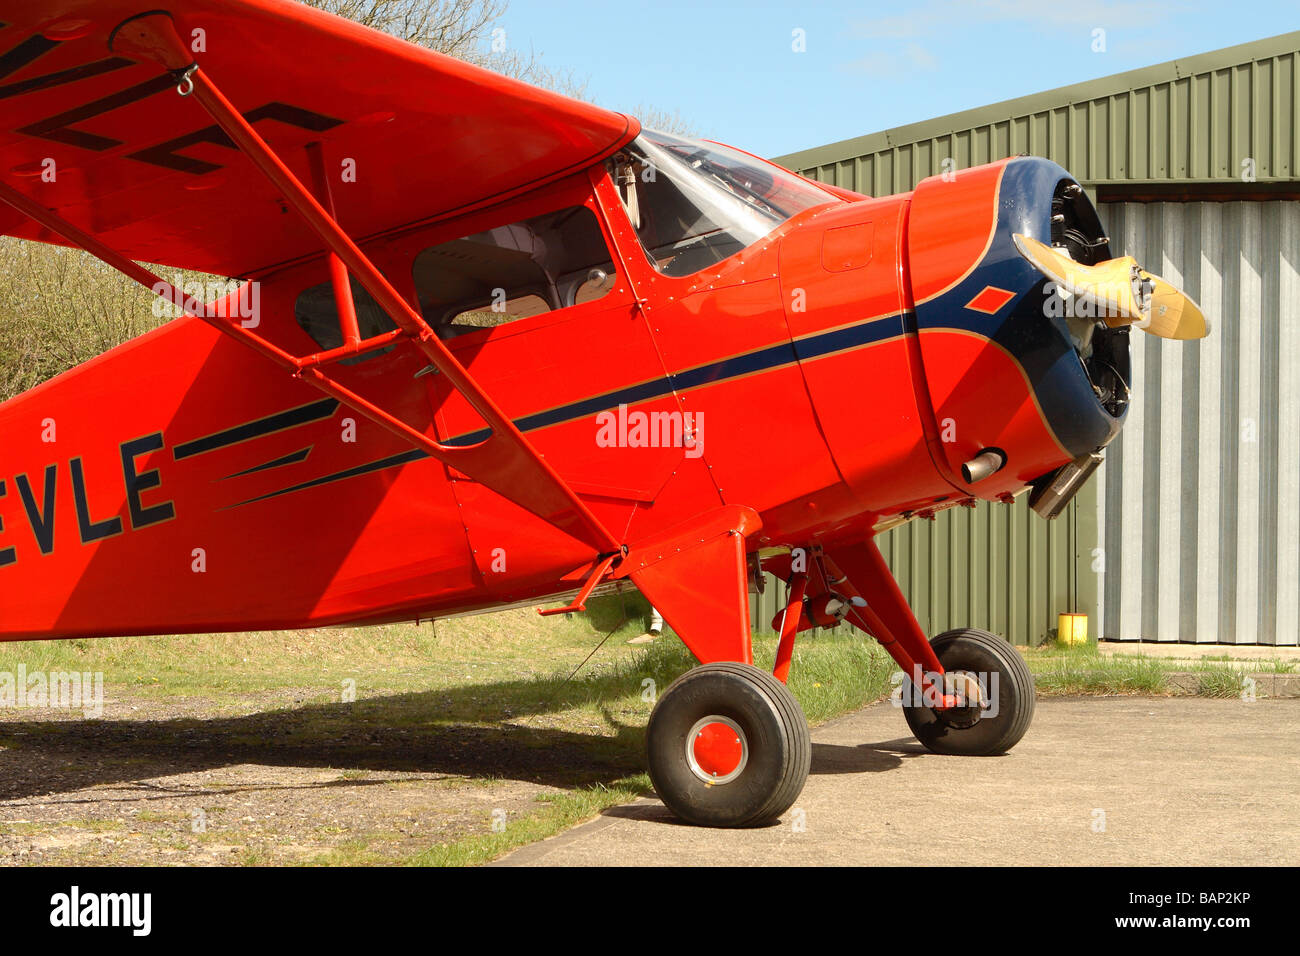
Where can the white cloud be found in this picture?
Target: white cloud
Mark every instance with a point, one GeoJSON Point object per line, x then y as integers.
{"type": "Point", "coordinates": [942, 16]}
{"type": "Point", "coordinates": [912, 58]}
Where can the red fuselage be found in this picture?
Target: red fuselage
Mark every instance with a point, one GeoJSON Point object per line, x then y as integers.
{"type": "Point", "coordinates": [836, 374]}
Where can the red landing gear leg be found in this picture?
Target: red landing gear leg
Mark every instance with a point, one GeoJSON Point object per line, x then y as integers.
{"type": "Point", "coordinates": [976, 695]}
{"type": "Point", "coordinates": [886, 616]}
{"type": "Point", "coordinates": [790, 627]}
{"type": "Point", "coordinates": [728, 745]}
{"type": "Point", "coordinates": [696, 575]}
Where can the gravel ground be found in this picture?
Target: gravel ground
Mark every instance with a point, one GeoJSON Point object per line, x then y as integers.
{"type": "Point", "coordinates": [269, 778]}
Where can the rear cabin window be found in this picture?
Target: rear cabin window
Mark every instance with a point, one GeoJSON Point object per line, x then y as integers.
{"type": "Point", "coordinates": [319, 317]}
{"type": "Point", "coordinates": [513, 272]}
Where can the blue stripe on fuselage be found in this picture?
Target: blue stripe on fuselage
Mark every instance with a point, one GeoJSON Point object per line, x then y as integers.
{"type": "Point", "coordinates": [763, 360]}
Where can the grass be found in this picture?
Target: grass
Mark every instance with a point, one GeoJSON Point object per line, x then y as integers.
{"type": "Point", "coordinates": [1271, 665]}
{"type": "Point", "coordinates": [556, 815]}
{"type": "Point", "coordinates": [1219, 682]}
{"type": "Point", "coordinates": [1215, 679]}
{"type": "Point", "coordinates": [489, 668]}
{"type": "Point", "coordinates": [1083, 669]}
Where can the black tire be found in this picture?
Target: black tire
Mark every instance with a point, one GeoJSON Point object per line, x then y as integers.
{"type": "Point", "coordinates": [775, 732]}
{"type": "Point", "coordinates": [961, 732]}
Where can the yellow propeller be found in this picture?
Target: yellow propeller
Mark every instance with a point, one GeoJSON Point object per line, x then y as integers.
{"type": "Point", "coordinates": [1118, 292]}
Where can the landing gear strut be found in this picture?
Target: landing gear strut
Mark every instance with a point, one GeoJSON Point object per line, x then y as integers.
{"type": "Point", "coordinates": [728, 743]}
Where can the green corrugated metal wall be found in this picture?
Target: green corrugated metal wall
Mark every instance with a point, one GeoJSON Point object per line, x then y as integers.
{"type": "Point", "coordinates": [998, 567]}
{"type": "Point", "coordinates": [1002, 567]}
{"type": "Point", "coordinates": [1187, 121]}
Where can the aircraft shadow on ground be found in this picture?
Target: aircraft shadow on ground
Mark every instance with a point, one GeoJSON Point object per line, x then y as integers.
{"type": "Point", "coordinates": [830, 759]}
{"type": "Point", "coordinates": [443, 731]}
{"type": "Point", "coordinates": [655, 812]}
{"type": "Point", "coordinates": [421, 732]}
{"type": "Point", "coordinates": [826, 759]}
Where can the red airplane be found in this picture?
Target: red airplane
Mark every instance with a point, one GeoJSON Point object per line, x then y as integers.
{"type": "Point", "coordinates": [492, 346]}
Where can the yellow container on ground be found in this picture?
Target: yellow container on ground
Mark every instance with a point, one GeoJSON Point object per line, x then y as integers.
{"type": "Point", "coordinates": [1072, 629]}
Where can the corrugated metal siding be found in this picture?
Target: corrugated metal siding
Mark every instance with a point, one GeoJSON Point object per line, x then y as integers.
{"type": "Point", "coordinates": [1200, 494]}
{"type": "Point", "coordinates": [997, 567]}
{"type": "Point", "coordinates": [1163, 124]}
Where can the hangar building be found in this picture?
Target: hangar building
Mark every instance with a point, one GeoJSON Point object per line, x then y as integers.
{"type": "Point", "coordinates": [1190, 531]}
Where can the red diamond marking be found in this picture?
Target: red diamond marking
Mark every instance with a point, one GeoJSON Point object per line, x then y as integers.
{"type": "Point", "coordinates": [990, 300]}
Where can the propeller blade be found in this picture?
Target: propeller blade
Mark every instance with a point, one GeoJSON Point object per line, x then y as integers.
{"type": "Point", "coordinates": [1118, 292]}
{"type": "Point", "coordinates": [1173, 313]}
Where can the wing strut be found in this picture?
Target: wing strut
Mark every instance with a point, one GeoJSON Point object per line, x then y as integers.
{"type": "Point", "coordinates": [504, 462]}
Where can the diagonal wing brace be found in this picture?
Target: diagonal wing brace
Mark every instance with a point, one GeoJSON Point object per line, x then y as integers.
{"type": "Point", "coordinates": [504, 462]}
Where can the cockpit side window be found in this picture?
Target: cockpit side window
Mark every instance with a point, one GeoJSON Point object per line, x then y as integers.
{"type": "Point", "coordinates": [318, 315]}
{"type": "Point", "coordinates": [694, 204]}
{"type": "Point", "coordinates": [513, 271]}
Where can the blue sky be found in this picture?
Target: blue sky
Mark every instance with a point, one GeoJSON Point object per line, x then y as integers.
{"type": "Point", "coordinates": [729, 67]}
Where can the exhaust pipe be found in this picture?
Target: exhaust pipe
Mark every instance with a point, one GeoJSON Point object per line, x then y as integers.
{"type": "Point", "coordinates": [989, 461]}
{"type": "Point", "coordinates": [1053, 491]}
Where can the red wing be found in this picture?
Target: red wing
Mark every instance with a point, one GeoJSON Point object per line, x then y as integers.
{"type": "Point", "coordinates": [106, 143]}
{"type": "Point", "coordinates": [133, 171]}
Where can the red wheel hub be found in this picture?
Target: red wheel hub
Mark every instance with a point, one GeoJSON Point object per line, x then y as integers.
{"type": "Point", "coordinates": [716, 749]}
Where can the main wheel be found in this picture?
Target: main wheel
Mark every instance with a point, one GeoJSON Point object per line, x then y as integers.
{"type": "Point", "coordinates": [728, 746]}
{"type": "Point", "coordinates": [991, 726]}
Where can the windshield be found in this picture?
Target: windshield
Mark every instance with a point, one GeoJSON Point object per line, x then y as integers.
{"type": "Point", "coordinates": [694, 204]}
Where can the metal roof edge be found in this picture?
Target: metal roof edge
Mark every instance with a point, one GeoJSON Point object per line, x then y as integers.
{"type": "Point", "coordinates": [1240, 55]}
